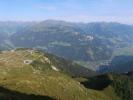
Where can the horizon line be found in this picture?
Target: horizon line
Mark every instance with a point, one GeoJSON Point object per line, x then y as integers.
{"type": "Point", "coordinates": [39, 21]}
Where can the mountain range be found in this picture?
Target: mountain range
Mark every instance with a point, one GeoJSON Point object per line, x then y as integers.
{"type": "Point", "coordinates": [57, 60]}
{"type": "Point", "coordinates": [88, 44]}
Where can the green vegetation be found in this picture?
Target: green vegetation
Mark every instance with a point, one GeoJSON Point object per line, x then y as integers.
{"type": "Point", "coordinates": [80, 42]}
{"type": "Point", "coordinates": [124, 51]}
{"type": "Point", "coordinates": [38, 65]}
{"type": "Point", "coordinates": [92, 43]}
{"type": "Point", "coordinates": [6, 94]}
{"type": "Point", "coordinates": [60, 43]}
{"type": "Point", "coordinates": [102, 83]}
{"type": "Point", "coordinates": [38, 80]}
{"type": "Point", "coordinates": [119, 87]}
{"type": "Point", "coordinates": [123, 85]}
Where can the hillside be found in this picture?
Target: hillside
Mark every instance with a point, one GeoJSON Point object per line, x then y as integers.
{"type": "Point", "coordinates": [32, 75]}
{"type": "Point", "coordinates": [121, 84]}
{"type": "Point", "coordinates": [88, 44]}
{"type": "Point", "coordinates": [119, 64]}
{"type": "Point", "coordinates": [94, 41]}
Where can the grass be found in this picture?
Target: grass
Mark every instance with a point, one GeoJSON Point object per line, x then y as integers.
{"type": "Point", "coordinates": [28, 79]}
{"type": "Point", "coordinates": [124, 51]}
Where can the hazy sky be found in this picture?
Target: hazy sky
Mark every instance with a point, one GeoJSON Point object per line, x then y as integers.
{"type": "Point", "coordinates": [69, 10]}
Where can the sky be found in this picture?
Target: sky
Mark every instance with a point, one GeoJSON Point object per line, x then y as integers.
{"type": "Point", "coordinates": [67, 10]}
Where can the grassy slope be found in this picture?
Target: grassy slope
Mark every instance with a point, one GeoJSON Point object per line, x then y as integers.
{"type": "Point", "coordinates": [17, 76]}
{"type": "Point", "coordinates": [123, 51]}
{"type": "Point", "coordinates": [108, 92]}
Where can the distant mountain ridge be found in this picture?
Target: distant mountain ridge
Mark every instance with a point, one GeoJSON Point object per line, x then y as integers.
{"type": "Point", "coordinates": [53, 60]}
{"type": "Point", "coordinates": [87, 42]}
{"type": "Point", "coordinates": [120, 64]}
